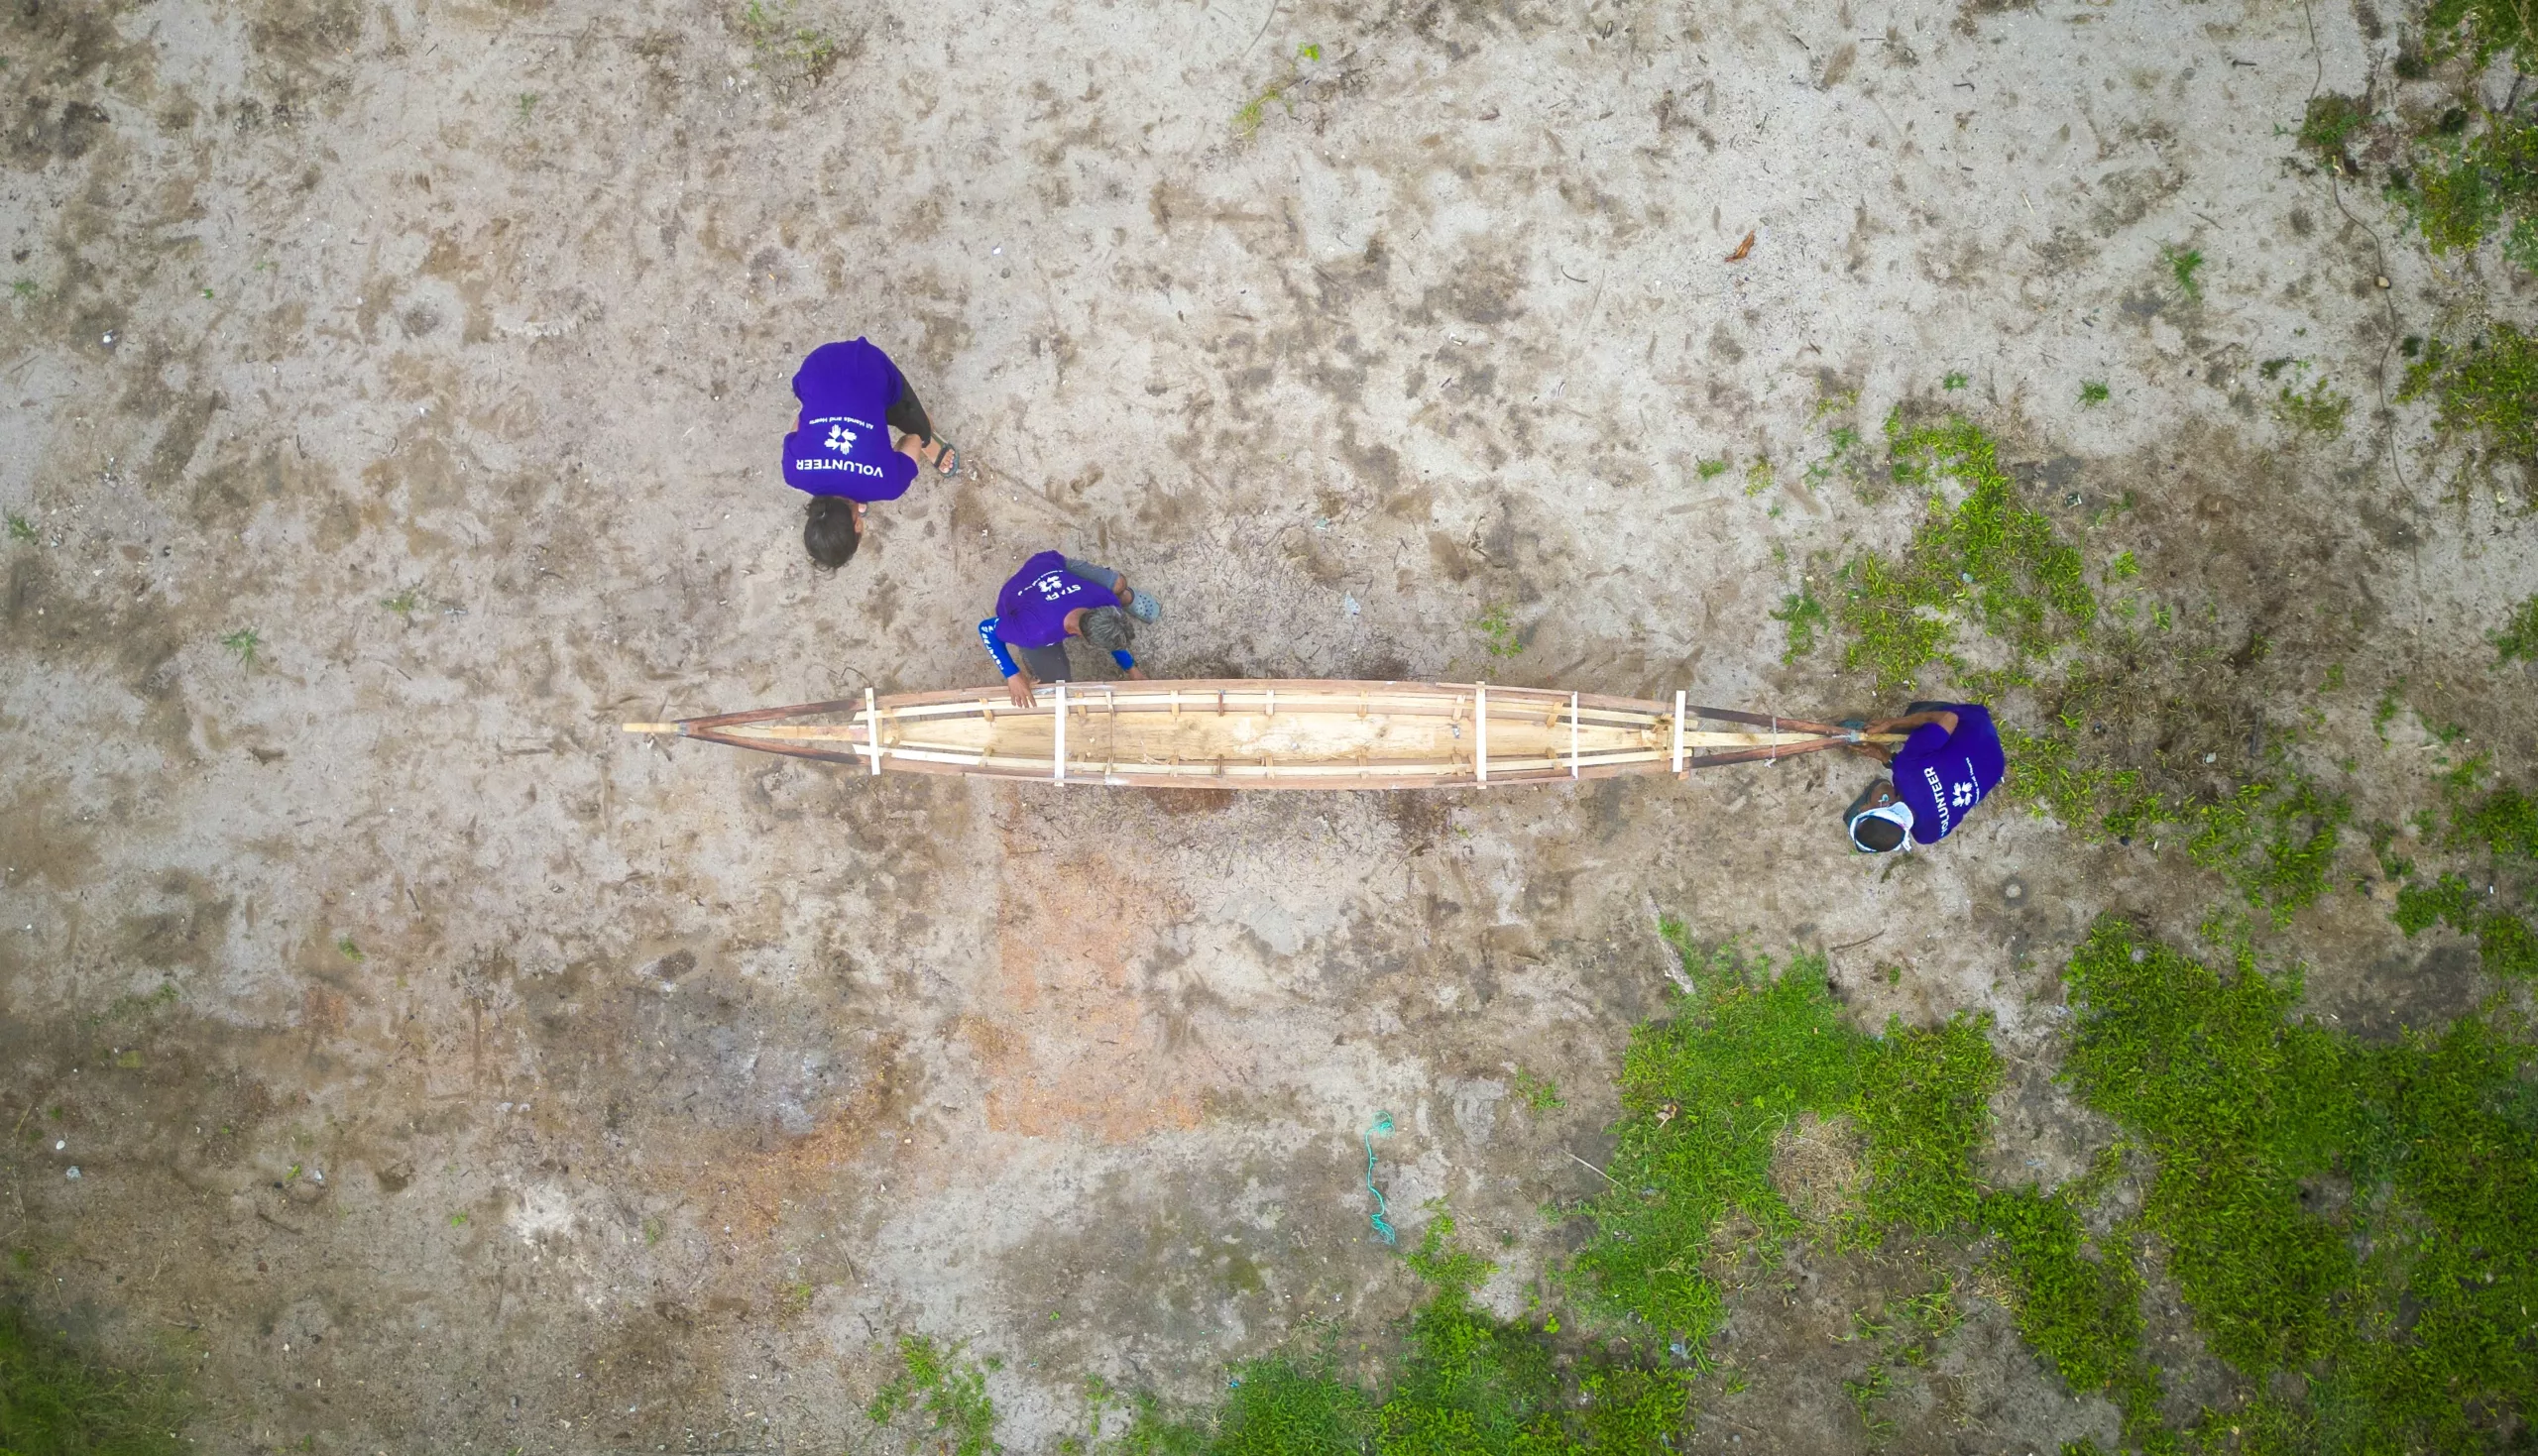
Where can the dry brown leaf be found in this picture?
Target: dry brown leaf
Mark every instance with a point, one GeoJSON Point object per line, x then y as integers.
{"type": "Point", "coordinates": [1742, 249]}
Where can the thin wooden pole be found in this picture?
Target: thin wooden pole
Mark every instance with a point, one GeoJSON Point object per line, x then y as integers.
{"type": "Point", "coordinates": [1480, 732]}
{"type": "Point", "coordinates": [1676, 764]}
{"type": "Point", "coordinates": [1573, 735]}
{"type": "Point", "coordinates": [1061, 756]}
{"type": "Point", "coordinates": [872, 732]}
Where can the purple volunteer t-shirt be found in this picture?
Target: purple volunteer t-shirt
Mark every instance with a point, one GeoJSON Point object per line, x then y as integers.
{"type": "Point", "coordinates": [842, 445]}
{"type": "Point", "coordinates": [1031, 611]}
{"type": "Point", "coordinates": [1943, 776]}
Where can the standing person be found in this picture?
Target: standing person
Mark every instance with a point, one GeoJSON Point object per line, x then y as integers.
{"type": "Point", "coordinates": [841, 452]}
{"type": "Point", "coordinates": [1950, 761]}
{"type": "Point", "coordinates": [1051, 599]}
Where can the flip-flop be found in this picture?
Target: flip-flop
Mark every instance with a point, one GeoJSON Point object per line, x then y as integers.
{"type": "Point", "coordinates": [946, 459]}
{"type": "Point", "coordinates": [1143, 606]}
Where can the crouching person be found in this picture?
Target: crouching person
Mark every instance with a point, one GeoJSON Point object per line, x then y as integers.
{"type": "Point", "coordinates": [1054, 597]}
{"type": "Point", "coordinates": [1950, 762]}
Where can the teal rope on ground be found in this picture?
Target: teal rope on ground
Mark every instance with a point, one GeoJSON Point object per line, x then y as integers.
{"type": "Point", "coordinates": [1383, 1226]}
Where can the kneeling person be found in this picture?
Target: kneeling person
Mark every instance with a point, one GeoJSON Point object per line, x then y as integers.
{"type": "Point", "coordinates": [1054, 597]}
{"type": "Point", "coordinates": [1949, 763]}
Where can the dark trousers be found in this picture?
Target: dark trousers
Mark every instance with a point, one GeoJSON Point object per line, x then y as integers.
{"type": "Point", "coordinates": [907, 417]}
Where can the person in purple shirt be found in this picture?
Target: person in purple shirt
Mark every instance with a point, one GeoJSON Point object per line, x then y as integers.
{"type": "Point", "coordinates": [1055, 596]}
{"type": "Point", "coordinates": [1949, 763]}
{"type": "Point", "coordinates": [840, 451]}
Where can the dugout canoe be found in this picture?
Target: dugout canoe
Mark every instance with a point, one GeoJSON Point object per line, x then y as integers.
{"type": "Point", "coordinates": [1254, 733]}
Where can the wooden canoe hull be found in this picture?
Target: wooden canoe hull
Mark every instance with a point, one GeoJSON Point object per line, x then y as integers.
{"type": "Point", "coordinates": [1254, 733]}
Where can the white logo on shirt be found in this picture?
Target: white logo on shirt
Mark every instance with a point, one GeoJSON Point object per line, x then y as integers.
{"type": "Point", "coordinates": [841, 439]}
{"type": "Point", "coordinates": [1961, 795]}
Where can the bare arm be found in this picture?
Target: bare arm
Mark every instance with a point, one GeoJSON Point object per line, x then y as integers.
{"type": "Point", "coordinates": [1944, 717]}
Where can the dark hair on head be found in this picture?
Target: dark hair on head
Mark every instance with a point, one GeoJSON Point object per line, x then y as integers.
{"type": "Point", "coordinates": [1878, 834]}
{"type": "Point", "coordinates": [829, 533]}
{"type": "Point", "coordinates": [1108, 629]}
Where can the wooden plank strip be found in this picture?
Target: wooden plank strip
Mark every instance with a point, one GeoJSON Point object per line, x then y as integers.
{"type": "Point", "coordinates": [1059, 758]}
{"type": "Point", "coordinates": [1678, 731]}
{"type": "Point", "coordinates": [872, 732]}
{"type": "Point", "coordinates": [1480, 731]}
{"type": "Point", "coordinates": [1573, 735]}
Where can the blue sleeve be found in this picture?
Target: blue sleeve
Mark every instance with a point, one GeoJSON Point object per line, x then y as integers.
{"type": "Point", "coordinates": [996, 647]}
{"type": "Point", "coordinates": [1126, 661]}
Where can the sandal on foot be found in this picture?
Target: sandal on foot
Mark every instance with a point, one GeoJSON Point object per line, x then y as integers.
{"type": "Point", "coordinates": [946, 459]}
{"type": "Point", "coordinates": [1143, 606]}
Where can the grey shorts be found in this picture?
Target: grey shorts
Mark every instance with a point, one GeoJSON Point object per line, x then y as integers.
{"type": "Point", "coordinates": [1045, 664]}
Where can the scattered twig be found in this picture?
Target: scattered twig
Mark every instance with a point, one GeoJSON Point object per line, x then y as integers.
{"type": "Point", "coordinates": [1592, 1168]}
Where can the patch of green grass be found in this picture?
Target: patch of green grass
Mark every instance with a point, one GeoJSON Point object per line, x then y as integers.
{"type": "Point", "coordinates": [1703, 1096]}
{"type": "Point", "coordinates": [2446, 900]}
{"type": "Point", "coordinates": [2419, 1343]}
{"type": "Point", "coordinates": [2123, 568]}
{"type": "Point", "coordinates": [20, 528]}
{"type": "Point", "coordinates": [2230, 1097]}
{"type": "Point", "coordinates": [2330, 124]}
{"type": "Point", "coordinates": [1711, 470]}
{"type": "Point", "coordinates": [1758, 476]}
{"type": "Point", "coordinates": [1955, 379]}
{"type": "Point", "coordinates": [57, 1400]}
{"type": "Point", "coordinates": [1461, 1383]}
{"type": "Point", "coordinates": [1923, 1100]}
{"type": "Point", "coordinates": [345, 947]}
{"type": "Point", "coordinates": [2273, 839]}
{"type": "Point", "coordinates": [2093, 393]}
{"type": "Point", "coordinates": [2076, 1302]}
{"type": "Point", "coordinates": [22, 288]}
{"type": "Point", "coordinates": [1540, 1093]}
{"type": "Point", "coordinates": [2465, 186]}
{"type": "Point", "coordinates": [2392, 701]}
{"type": "Point", "coordinates": [2502, 823]}
{"type": "Point", "coordinates": [1469, 1383]}
{"type": "Point", "coordinates": [950, 1393]}
{"type": "Point", "coordinates": [245, 645]}
{"type": "Point", "coordinates": [133, 1003]}
{"type": "Point", "coordinates": [1707, 1092]}
{"type": "Point", "coordinates": [2488, 391]}
{"type": "Point", "coordinates": [782, 45]}
{"type": "Point", "coordinates": [1991, 561]}
{"type": "Point", "coordinates": [2516, 642]}
{"type": "Point", "coordinates": [1498, 632]}
{"type": "Point", "coordinates": [1248, 119]}
{"type": "Point", "coordinates": [1279, 1406]}
{"type": "Point", "coordinates": [1802, 615]}
{"type": "Point", "coordinates": [405, 604]}
{"type": "Point", "coordinates": [1872, 1386]}
{"type": "Point", "coordinates": [2321, 410]}
{"type": "Point", "coordinates": [2480, 29]}
{"type": "Point", "coordinates": [2182, 264]}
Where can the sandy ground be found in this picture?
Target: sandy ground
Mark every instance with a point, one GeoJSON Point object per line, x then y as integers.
{"type": "Point", "coordinates": [653, 1090]}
